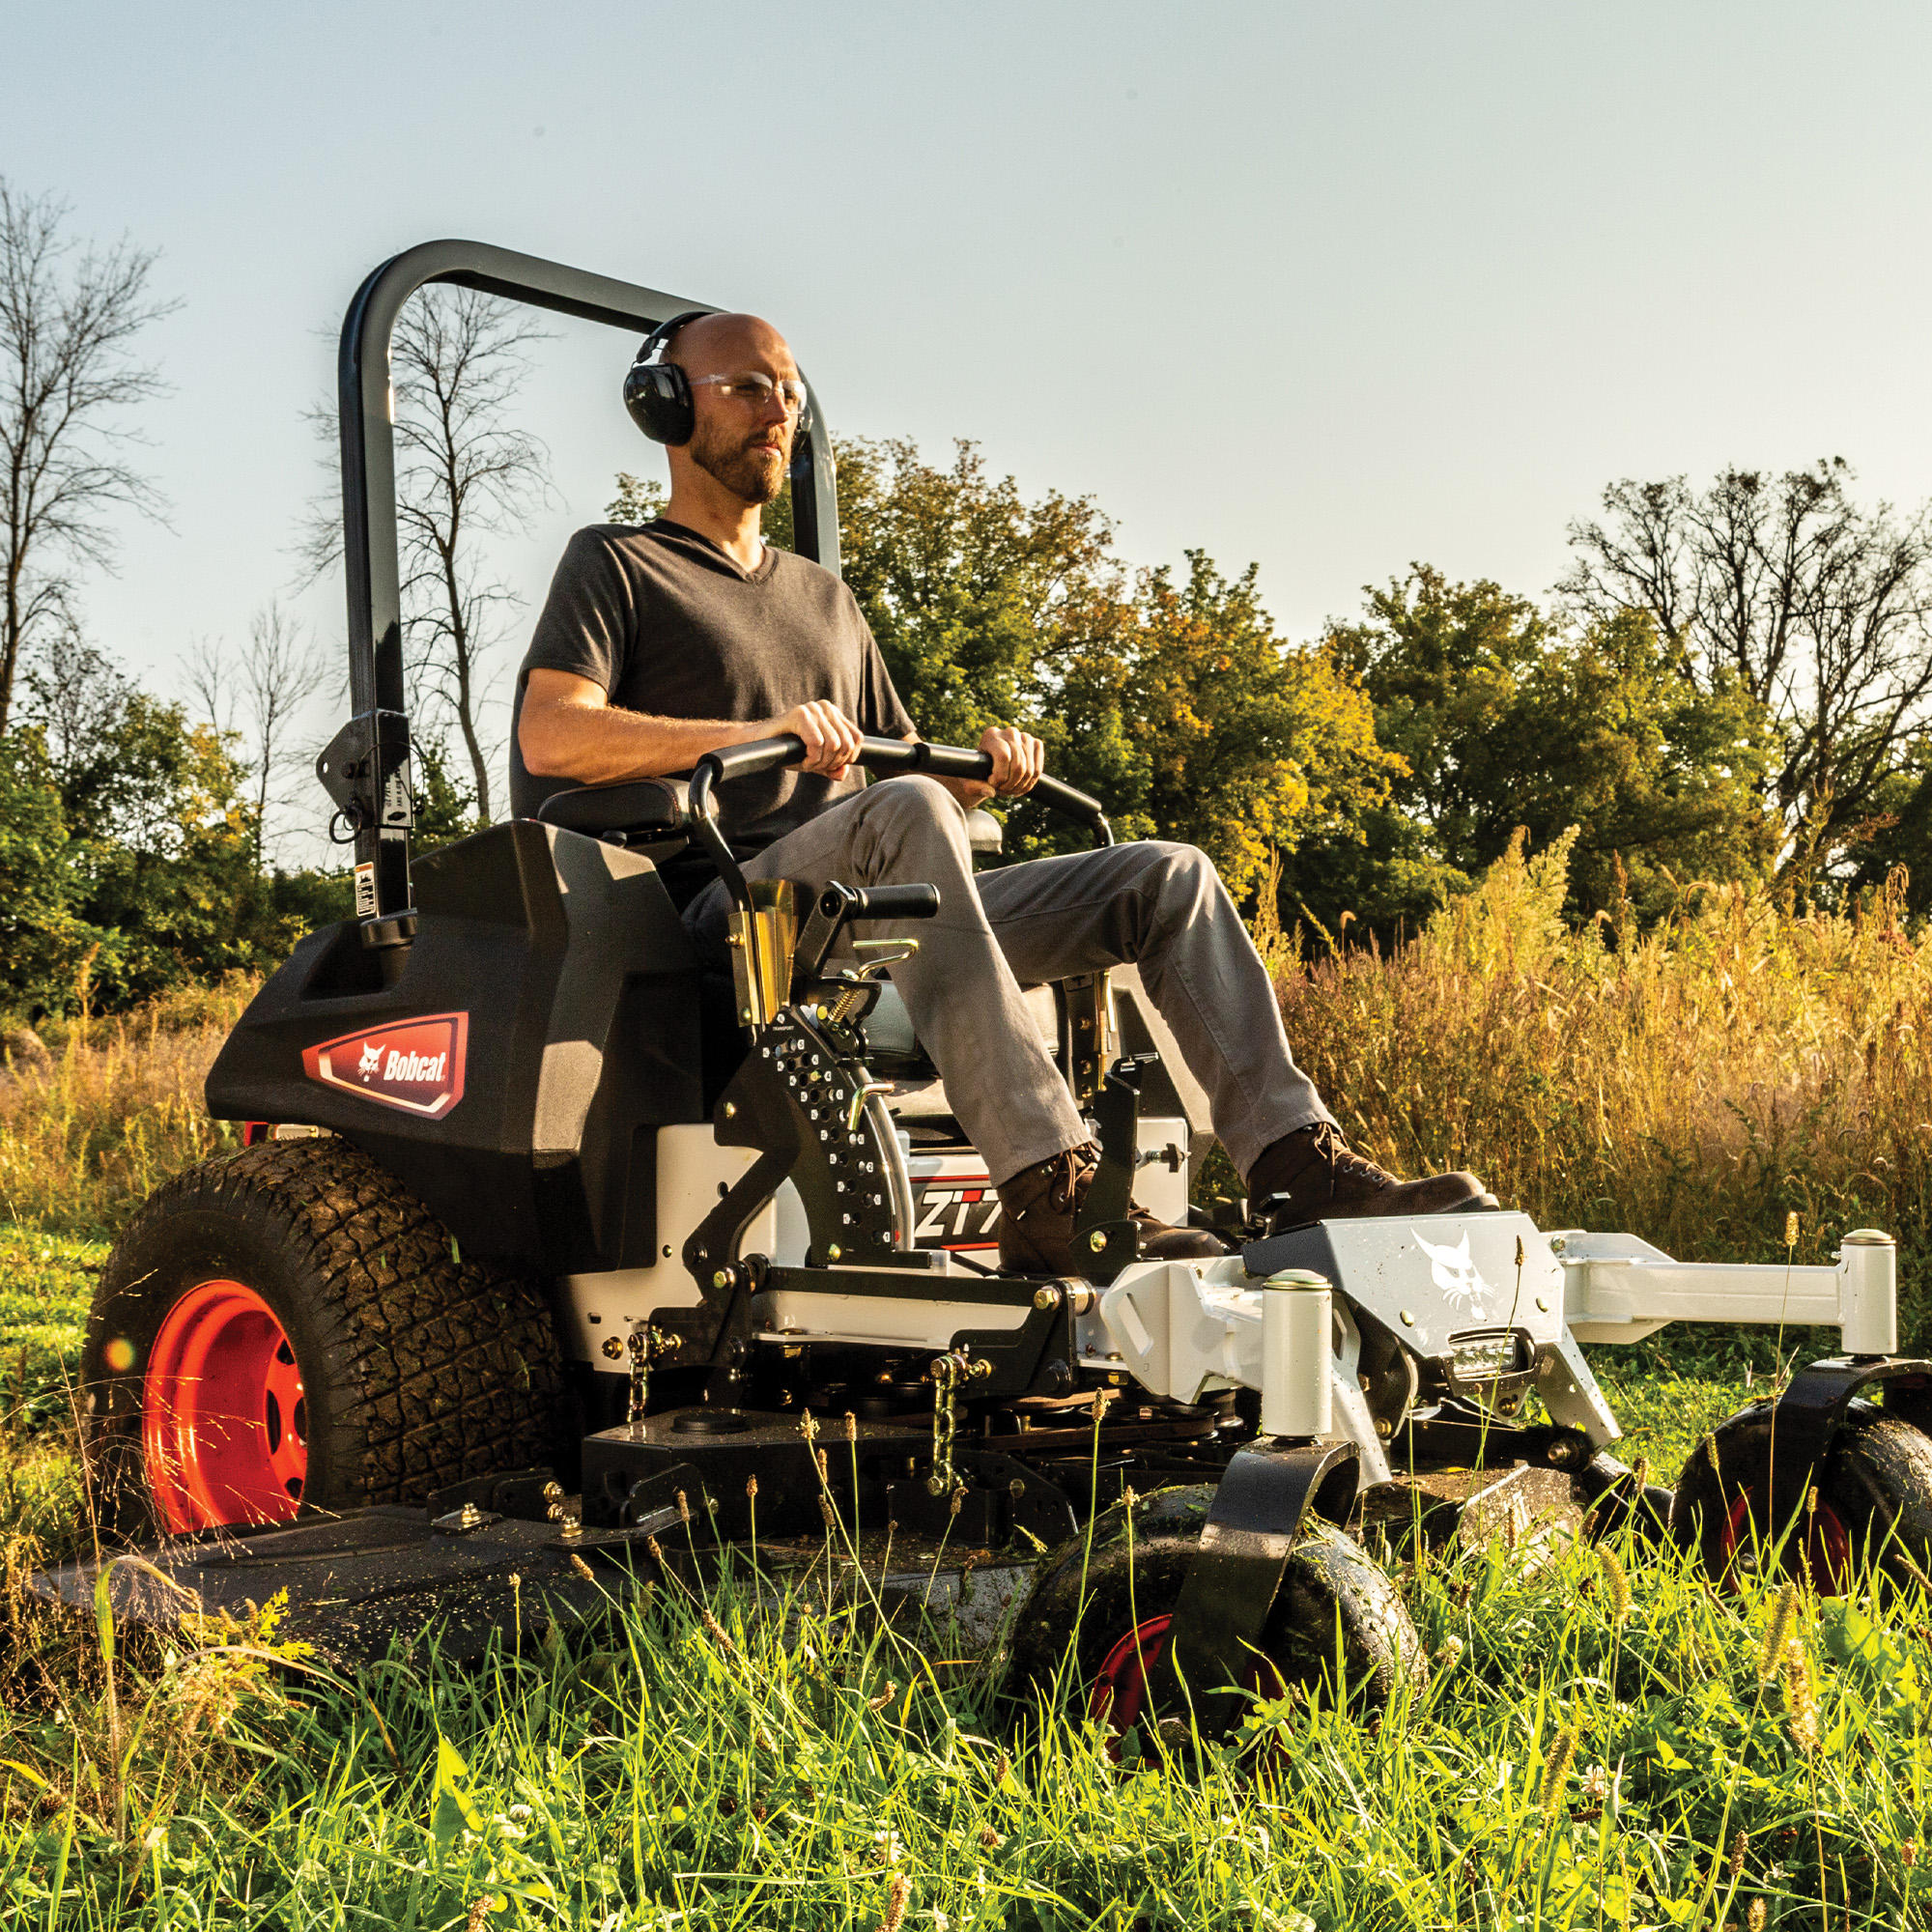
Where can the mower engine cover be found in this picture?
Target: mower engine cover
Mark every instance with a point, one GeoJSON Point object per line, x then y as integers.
{"type": "Point", "coordinates": [545, 1022]}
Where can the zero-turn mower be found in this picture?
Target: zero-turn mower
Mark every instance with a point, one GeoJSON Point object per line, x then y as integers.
{"type": "Point", "coordinates": [545, 1239]}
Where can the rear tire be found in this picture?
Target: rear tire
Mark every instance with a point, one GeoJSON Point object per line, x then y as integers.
{"type": "Point", "coordinates": [1874, 1489]}
{"type": "Point", "coordinates": [1103, 1608]}
{"type": "Point", "coordinates": [288, 1328]}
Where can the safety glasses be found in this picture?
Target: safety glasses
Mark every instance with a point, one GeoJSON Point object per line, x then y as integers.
{"type": "Point", "coordinates": [757, 390]}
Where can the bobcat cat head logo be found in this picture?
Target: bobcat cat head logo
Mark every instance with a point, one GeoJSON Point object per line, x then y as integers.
{"type": "Point", "coordinates": [413, 1065]}
{"type": "Point", "coordinates": [1453, 1272]}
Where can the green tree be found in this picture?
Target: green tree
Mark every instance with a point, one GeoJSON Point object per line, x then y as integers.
{"type": "Point", "coordinates": [973, 592]}
{"type": "Point", "coordinates": [1817, 607]}
{"type": "Point", "coordinates": [1896, 835]}
{"type": "Point", "coordinates": [1506, 717]}
{"type": "Point", "coordinates": [445, 811]}
{"type": "Point", "coordinates": [1195, 721]}
{"type": "Point", "coordinates": [639, 499]}
{"type": "Point", "coordinates": [44, 941]}
{"type": "Point", "coordinates": [159, 834]}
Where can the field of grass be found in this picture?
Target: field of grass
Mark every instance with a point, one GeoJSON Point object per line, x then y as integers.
{"type": "Point", "coordinates": [1599, 1745]}
{"type": "Point", "coordinates": [1604, 1741]}
{"type": "Point", "coordinates": [1693, 1085]}
{"type": "Point", "coordinates": [121, 1110]}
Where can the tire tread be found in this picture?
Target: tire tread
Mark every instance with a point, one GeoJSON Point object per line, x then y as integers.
{"type": "Point", "coordinates": [454, 1364]}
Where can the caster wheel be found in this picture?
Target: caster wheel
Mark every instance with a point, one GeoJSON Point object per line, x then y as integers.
{"type": "Point", "coordinates": [1120, 1624]}
{"type": "Point", "coordinates": [1622, 1502]}
{"type": "Point", "coordinates": [1873, 1507]}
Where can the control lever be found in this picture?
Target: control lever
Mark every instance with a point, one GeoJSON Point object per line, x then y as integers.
{"type": "Point", "coordinates": [839, 906]}
{"type": "Point", "coordinates": [857, 990]}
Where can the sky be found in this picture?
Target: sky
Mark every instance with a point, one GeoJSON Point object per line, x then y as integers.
{"type": "Point", "coordinates": [1329, 288]}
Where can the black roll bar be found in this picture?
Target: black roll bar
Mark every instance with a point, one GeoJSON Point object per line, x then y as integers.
{"type": "Point", "coordinates": [366, 767]}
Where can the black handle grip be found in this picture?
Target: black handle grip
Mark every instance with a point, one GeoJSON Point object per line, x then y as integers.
{"type": "Point", "coordinates": [899, 754]}
{"type": "Point", "coordinates": [759, 754]}
{"type": "Point", "coordinates": [895, 902]}
{"type": "Point", "coordinates": [1072, 801]}
{"type": "Point", "coordinates": [955, 761]}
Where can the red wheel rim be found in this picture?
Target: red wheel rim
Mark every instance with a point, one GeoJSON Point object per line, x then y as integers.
{"type": "Point", "coordinates": [1824, 1549]}
{"type": "Point", "coordinates": [223, 1419]}
{"type": "Point", "coordinates": [1120, 1684]}
{"type": "Point", "coordinates": [1119, 1695]}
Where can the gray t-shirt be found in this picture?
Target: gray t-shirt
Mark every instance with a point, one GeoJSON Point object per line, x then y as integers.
{"type": "Point", "coordinates": [669, 625]}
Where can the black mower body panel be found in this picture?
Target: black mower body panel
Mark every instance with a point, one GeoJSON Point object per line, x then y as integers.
{"type": "Point", "coordinates": [545, 1023]}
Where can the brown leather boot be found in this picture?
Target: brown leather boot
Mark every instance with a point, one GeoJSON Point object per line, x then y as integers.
{"type": "Point", "coordinates": [1039, 1205]}
{"type": "Point", "coordinates": [1314, 1174]}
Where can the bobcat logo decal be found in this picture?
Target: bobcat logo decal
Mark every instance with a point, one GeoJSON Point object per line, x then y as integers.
{"type": "Point", "coordinates": [1453, 1272]}
{"type": "Point", "coordinates": [413, 1065]}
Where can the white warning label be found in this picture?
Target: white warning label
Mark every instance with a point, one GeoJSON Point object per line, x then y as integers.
{"type": "Point", "coordinates": [365, 889]}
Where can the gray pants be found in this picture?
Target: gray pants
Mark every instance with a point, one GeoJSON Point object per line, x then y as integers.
{"type": "Point", "coordinates": [1159, 906]}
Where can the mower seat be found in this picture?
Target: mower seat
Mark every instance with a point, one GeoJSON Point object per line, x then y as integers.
{"type": "Point", "coordinates": [653, 816]}
{"type": "Point", "coordinates": [636, 811]}
{"type": "Point", "coordinates": [894, 1050]}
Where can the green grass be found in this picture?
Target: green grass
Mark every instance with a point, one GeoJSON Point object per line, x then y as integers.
{"type": "Point", "coordinates": [1696, 1085]}
{"type": "Point", "coordinates": [761, 1772]}
{"type": "Point", "coordinates": [46, 1282]}
{"type": "Point", "coordinates": [688, 1766]}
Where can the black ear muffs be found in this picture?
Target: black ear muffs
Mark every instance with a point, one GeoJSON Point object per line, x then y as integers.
{"type": "Point", "coordinates": [656, 393]}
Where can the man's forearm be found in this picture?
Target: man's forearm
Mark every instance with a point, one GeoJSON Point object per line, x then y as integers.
{"type": "Point", "coordinates": [601, 743]}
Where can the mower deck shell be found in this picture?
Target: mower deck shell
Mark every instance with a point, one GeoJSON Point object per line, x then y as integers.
{"type": "Point", "coordinates": [363, 1585]}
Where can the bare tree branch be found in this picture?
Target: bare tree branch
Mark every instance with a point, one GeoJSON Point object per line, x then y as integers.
{"type": "Point", "coordinates": [267, 684]}
{"type": "Point", "coordinates": [209, 679]}
{"type": "Point", "coordinates": [458, 360]}
{"type": "Point", "coordinates": [283, 670]}
{"type": "Point", "coordinates": [1820, 609]}
{"type": "Point", "coordinates": [66, 325]}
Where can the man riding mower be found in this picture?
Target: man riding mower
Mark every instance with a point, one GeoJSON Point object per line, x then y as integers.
{"type": "Point", "coordinates": [607, 1160]}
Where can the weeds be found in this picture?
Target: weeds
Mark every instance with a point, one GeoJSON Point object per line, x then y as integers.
{"type": "Point", "coordinates": [82, 1144]}
{"type": "Point", "coordinates": [1604, 1741]}
{"type": "Point", "coordinates": [770, 1757]}
{"type": "Point", "coordinates": [1696, 1085]}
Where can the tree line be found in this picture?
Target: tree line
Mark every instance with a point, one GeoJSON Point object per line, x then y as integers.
{"type": "Point", "coordinates": [1729, 682]}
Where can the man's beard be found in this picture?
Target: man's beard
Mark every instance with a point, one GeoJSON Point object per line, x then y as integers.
{"type": "Point", "coordinates": [748, 477]}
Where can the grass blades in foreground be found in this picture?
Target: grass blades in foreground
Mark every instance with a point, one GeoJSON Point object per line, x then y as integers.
{"type": "Point", "coordinates": [1606, 1742]}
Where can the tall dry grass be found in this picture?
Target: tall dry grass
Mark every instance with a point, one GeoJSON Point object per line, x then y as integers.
{"type": "Point", "coordinates": [1691, 1085]}
{"type": "Point", "coordinates": [118, 1111]}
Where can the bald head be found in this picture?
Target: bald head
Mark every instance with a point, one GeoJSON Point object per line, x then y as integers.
{"type": "Point", "coordinates": [740, 440]}
{"type": "Point", "coordinates": [724, 345]}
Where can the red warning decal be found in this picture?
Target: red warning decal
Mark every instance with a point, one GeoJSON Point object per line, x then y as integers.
{"type": "Point", "coordinates": [415, 1066]}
